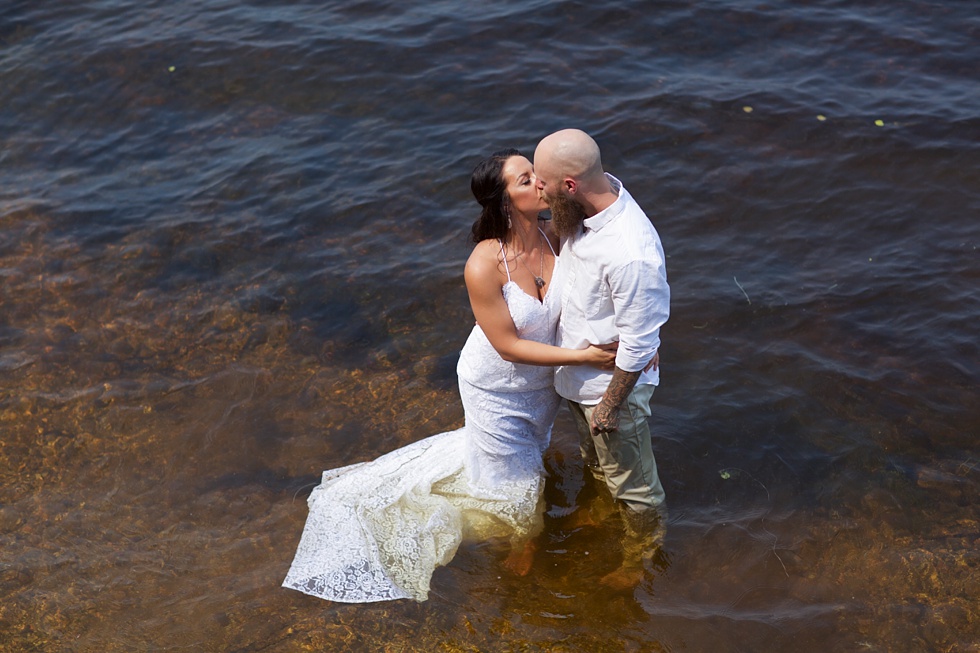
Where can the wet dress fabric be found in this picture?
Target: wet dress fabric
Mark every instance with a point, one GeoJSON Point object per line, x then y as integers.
{"type": "Point", "coordinates": [377, 530]}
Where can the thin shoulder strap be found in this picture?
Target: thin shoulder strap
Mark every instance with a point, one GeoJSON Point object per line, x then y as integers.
{"type": "Point", "coordinates": [547, 240]}
{"type": "Point", "coordinates": [503, 255]}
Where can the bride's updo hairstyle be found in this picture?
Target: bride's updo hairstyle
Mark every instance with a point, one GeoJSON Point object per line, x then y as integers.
{"type": "Point", "coordinates": [489, 187]}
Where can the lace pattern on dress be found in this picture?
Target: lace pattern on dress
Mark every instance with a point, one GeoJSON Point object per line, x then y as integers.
{"type": "Point", "coordinates": [377, 530]}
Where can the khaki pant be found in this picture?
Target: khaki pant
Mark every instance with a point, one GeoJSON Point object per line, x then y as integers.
{"type": "Point", "coordinates": [623, 460]}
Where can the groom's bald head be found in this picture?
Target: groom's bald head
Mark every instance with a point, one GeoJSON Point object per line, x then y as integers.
{"type": "Point", "coordinates": [567, 154]}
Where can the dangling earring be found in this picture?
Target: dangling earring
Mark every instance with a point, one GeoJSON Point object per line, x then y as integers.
{"type": "Point", "coordinates": [507, 213]}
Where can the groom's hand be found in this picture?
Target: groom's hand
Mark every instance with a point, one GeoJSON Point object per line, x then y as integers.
{"type": "Point", "coordinates": [605, 418]}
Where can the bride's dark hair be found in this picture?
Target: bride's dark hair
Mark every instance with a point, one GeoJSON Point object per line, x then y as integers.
{"type": "Point", "coordinates": [489, 187]}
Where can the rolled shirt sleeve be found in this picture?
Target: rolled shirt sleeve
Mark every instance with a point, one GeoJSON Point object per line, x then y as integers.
{"type": "Point", "coordinates": [641, 300]}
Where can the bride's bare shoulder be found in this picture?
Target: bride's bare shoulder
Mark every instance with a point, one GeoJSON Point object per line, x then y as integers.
{"type": "Point", "coordinates": [484, 260]}
{"type": "Point", "coordinates": [485, 254]}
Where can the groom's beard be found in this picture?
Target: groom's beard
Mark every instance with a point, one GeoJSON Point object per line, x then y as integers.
{"type": "Point", "coordinates": [566, 215]}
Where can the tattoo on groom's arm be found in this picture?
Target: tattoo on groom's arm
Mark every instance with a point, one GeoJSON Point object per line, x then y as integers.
{"type": "Point", "coordinates": [605, 417]}
{"type": "Point", "coordinates": [620, 386]}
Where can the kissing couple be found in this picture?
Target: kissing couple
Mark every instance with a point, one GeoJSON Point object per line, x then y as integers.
{"type": "Point", "coordinates": [568, 308]}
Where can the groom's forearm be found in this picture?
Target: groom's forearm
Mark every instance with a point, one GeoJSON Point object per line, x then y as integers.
{"type": "Point", "coordinates": [620, 387]}
{"type": "Point", "coordinates": [605, 417]}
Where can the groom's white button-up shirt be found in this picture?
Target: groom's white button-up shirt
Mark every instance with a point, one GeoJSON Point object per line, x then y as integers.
{"type": "Point", "coordinates": [616, 289]}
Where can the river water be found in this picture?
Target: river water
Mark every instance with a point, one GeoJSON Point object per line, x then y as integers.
{"type": "Point", "coordinates": [231, 244]}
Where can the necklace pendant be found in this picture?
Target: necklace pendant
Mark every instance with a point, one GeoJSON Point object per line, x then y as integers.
{"type": "Point", "coordinates": [539, 282]}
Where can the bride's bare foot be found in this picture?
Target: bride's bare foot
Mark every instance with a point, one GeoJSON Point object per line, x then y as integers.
{"type": "Point", "coordinates": [521, 557]}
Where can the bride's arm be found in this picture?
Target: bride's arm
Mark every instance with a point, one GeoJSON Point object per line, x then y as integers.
{"type": "Point", "coordinates": [491, 312]}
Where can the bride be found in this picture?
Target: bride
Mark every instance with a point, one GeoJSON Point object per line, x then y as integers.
{"type": "Point", "coordinates": [377, 530]}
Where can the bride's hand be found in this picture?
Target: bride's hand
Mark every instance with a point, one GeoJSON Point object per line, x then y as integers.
{"type": "Point", "coordinates": [601, 356]}
{"type": "Point", "coordinates": [654, 363]}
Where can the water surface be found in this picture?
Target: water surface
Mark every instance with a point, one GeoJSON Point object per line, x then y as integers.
{"type": "Point", "coordinates": [231, 246]}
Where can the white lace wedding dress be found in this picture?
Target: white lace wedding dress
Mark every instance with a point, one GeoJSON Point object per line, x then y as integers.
{"type": "Point", "coordinates": [377, 530]}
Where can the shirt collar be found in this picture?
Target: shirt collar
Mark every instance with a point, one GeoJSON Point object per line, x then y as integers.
{"type": "Point", "coordinates": [611, 212]}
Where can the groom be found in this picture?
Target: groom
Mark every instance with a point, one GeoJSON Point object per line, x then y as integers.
{"type": "Point", "coordinates": [616, 291]}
